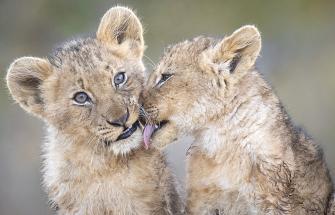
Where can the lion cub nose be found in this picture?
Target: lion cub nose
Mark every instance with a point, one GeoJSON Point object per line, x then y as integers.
{"type": "Point", "coordinates": [121, 121]}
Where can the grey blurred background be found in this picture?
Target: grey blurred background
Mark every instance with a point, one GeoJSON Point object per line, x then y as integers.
{"type": "Point", "coordinates": [298, 59]}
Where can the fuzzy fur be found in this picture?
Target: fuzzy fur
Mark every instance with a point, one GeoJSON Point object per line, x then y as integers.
{"type": "Point", "coordinates": [86, 170]}
{"type": "Point", "coordinates": [247, 156]}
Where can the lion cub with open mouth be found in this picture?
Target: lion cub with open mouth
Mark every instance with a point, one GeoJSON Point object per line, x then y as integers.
{"type": "Point", "coordinates": [87, 93]}
{"type": "Point", "coordinates": [247, 157]}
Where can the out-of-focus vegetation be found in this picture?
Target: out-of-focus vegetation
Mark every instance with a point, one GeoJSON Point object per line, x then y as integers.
{"type": "Point", "coordinates": [298, 58]}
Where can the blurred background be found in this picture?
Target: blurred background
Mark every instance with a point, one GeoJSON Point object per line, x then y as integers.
{"type": "Point", "coordinates": [298, 59]}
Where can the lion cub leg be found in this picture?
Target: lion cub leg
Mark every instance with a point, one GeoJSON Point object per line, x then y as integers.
{"type": "Point", "coordinates": [201, 201]}
{"type": "Point", "coordinates": [202, 197]}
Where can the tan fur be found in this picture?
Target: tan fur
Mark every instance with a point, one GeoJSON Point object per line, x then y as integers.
{"type": "Point", "coordinates": [86, 170]}
{"type": "Point", "coordinates": [247, 157]}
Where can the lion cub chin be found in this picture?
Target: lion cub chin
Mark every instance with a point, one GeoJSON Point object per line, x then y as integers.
{"type": "Point", "coordinates": [87, 93]}
{"type": "Point", "coordinates": [247, 157]}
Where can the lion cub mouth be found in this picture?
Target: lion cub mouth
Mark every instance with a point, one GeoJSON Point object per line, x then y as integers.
{"type": "Point", "coordinates": [127, 132]}
{"type": "Point", "coordinates": [150, 129]}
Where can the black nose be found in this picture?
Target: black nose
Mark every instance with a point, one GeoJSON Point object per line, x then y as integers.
{"type": "Point", "coordinates": [121, 121]}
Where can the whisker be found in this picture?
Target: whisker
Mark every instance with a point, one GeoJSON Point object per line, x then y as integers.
{"type": "Point", "coordinates": [145, 115]}
{"type": "Point", "coordinates": [150, 61]}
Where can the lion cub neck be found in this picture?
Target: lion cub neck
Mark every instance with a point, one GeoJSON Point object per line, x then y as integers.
{"type": "Point", "coordinates": [245, 123]}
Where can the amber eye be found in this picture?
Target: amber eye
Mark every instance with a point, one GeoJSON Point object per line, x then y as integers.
{"type": "Point", "coordinates": [81, 98]}
{"type": "Point", "coordinates": [120, 78]}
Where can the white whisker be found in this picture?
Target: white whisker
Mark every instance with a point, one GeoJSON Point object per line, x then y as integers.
{"type": "Point", "coordinates": [150, 61]}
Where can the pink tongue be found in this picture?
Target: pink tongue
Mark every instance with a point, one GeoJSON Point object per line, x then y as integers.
{"type": "Point", "coordinates": [148, 130]}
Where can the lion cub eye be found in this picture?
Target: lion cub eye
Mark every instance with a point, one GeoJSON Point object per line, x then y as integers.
{"type": "Point", "coordinates": [119, 79]}
{"type": "Point", "coordinates": [163, 79]}
{"type": "Point", "coordinates": [81, 98]}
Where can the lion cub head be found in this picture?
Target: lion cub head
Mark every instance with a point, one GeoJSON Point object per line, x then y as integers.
{"type": "Point", "coordinates": [88, 89]}
{"type": "Point", "coordinates": [193, 81]}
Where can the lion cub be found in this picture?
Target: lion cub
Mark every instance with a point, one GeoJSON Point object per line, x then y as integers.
{"type": "Point", "coordinates": [87, 93]}
{"type": "Point", "coordinates": [247, 157]}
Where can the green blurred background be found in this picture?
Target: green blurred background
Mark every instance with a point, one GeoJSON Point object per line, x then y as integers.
{"type": "Point", "coordinates": [298, 58]}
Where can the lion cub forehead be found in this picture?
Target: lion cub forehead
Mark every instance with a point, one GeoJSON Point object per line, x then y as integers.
{"type": "Point", "coordinates": [186, 52]}
{"type": "Point", "coordinates": [86, 55]}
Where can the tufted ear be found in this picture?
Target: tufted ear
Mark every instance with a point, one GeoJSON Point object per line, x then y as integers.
{"type": "Point", "coordinates": [24, 79]}
{"type": "Point", "coordinates": [237, 52]}
{"type": "Point", "coordinates": [120, 26]}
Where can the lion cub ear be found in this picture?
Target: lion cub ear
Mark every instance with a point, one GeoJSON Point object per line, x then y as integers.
{"type": "Point", "coordinates": [121, 27]}
{"type": "Point", "coordinates": [24, 79]}
{"type": "Point", "coordinates": [237, 52]}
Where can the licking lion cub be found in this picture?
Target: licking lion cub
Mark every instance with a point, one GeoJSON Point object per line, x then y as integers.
{"type": "Point", "coordinates": [247, 156]}
{"type": "Point", "coordinates": [87, 93]}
